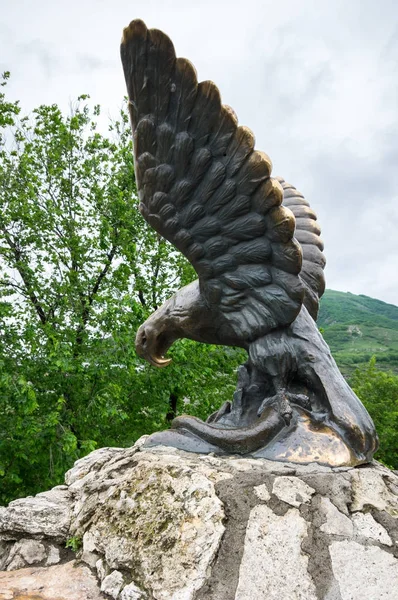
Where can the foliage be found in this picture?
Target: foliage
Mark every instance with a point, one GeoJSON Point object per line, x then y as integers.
{"type": "Point", "coordinates": [379, 393]}
{"type": "Point", "coordinates": [79, 272]}
{"type": "Point", "coordinates": [74, 543]}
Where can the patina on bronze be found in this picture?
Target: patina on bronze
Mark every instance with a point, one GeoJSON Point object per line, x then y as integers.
{"type": "Point", "coordinates": [254, 243]}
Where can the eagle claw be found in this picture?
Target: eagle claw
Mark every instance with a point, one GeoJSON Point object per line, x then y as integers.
{"type": "Point", "coordinates": [282, 400]}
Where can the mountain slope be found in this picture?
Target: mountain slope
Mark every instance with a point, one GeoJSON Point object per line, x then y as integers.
{"type": "Point", "coordinates": [358, 327]}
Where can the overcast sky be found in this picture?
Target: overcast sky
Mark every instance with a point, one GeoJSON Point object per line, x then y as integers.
{"type": "Point", "coordinates": [316, 80]}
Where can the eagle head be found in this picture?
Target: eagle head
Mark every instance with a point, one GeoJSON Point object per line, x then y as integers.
{"type": "Point", "coordinates": [179, 317]}
{"type": "Point", "coordinates": [153, 340]}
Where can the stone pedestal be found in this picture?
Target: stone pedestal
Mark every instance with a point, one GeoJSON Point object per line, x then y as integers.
{"type": "Point", "coordinates": [163, 524]}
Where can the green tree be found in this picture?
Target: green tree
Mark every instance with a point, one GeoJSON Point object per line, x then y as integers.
{"type": "Point", "coordinates": [379, 393]}
{"type": "Point", "coordinates": [79, 272]}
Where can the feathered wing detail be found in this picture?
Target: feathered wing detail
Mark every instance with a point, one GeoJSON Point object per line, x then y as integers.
{"type": "Point", "coordinates": [307, 234]}
{"type": "Point", "coordinates": [204, 188]}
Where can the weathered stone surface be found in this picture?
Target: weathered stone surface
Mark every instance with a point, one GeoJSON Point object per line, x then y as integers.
{"type": "Point", "coordinates": [273, 565]}
{"type": "Point", "coordinates": [292, 490]}
{"type": "Point", "coordinates": [364, 571]}
{"type": "Point", "coordinates": [370, 490]}
{"type": "Point", "coordinates": [262, 492]}
{"type": "Point", "coordinates": [132, 592]}
{"type": "Point", "coordinates": [166, 504]}
{"type": "Point", "coordinates": [25, 552]}
{"type": "Point", "coordinates": [161, 524]}
{"type": "Point", "coordinates": [91, 488]}
{"type": "Point", "coordinates": [4, 554]}
{"type": "Point", "coordinates": [336, 485]}
{"type": "Point", "coordinates": [100, 566]}
{"type": "Point", "coordinates": [14, 562]}
{"type": "Point", "coordinates": [89, 554]}
{"type": "Point", "coordinates": [112, 584]}
{"type": "Point", "coordinates": [336, 522]}
{"type": "Point", "coordinates": [61, 582]}
{"type": "Point", "coordinates": [92, 463]}
{"type": "Point", "coordinates": [53, 557]}
{"type": "Point", "coordinates": [46, 514]}
{"type": "Point", "coordinates": [367, 527]}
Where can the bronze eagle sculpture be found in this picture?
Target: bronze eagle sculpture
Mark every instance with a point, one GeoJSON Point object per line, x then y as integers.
{"type": "Point", "coordinates": [254, 243]}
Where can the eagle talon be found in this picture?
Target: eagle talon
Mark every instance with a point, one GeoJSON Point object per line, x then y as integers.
{"type": "Point", "coordinates": [281, 401]}
{"type": "Point", "coordinates": [299, 399]}
{"type": "Point", "coordinates": [284, 400]}
{"type": "Point", "coordinates": [285, 410]}
{"type": "Point", "coordinates": [287, 417]}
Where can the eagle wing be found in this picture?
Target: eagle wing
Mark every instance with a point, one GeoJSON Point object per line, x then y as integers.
{"type": "Point", "coordinates": [203, 187]}
{"type": "Point", "coordinates": [308, 235]}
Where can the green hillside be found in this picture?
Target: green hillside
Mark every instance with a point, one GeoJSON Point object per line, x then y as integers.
{"type": "Point", "coordinates": [358, 327]}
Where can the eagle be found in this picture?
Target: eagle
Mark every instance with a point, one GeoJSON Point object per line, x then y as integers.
{"type": "Point", "coordinates": [255, 245]}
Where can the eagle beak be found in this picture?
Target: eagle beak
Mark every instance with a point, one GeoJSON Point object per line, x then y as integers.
{"type": "Point", "coordinates": [160, 362]}
{"type": "Point", "coordinates": [148, 347]}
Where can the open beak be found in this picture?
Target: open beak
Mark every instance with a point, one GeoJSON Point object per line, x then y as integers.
{"type": "Point", "coordinates": [151, 348]}
{"type": "Point", "coordinates": [160, 362]}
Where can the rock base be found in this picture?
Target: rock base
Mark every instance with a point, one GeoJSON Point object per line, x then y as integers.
{"type": "Point", "coordinates": [163, 524]}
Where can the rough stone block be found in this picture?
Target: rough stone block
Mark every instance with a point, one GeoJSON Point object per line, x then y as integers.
{"type": "Point", "coordinates": [112, 584]}
{"type": "Point", "coordinates": [132, 592]}
{"type": "Point", "coordinates": [366, 526]}
{"type": "Point", "coordinates": [336, 523]}
{"type": "Point", "coordinates": [364, 571]}
{"type": "Point", "coordinates": [46, 514]}
{"type": "Point", "coordinates": [69, 581]}
{"type": "Point", "coordinates": [273, 565]}
{"type": "Point", "coordinates": [292, 490]}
